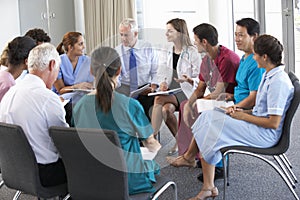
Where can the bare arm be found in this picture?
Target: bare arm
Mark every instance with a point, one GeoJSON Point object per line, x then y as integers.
{"type": "Point", "coordinates": [151, 144]}
{"type": "Point", "coordinates": [184, 78]}
{"type": "Point", "coordinates": [62, 89]}
{"type": "Point", "coordinates": [249, 101]}
{"type": "Point", "coordinates": [272, 121]}
{"type": "Point", "coordinates": [188, 110]}
{"type": "Point", "coordinates": [220, 87]}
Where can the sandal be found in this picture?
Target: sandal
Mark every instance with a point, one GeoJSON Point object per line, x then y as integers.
{"type": "Point", "coordinates": [206, 193]}
{"type": "Point", "coordinates": [181, 161]}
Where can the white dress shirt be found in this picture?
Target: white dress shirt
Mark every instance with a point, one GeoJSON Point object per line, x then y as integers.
{"type": "Point", "coordinates": [146, 59]}
{"type": "Point", "coordinates": [35, 108]}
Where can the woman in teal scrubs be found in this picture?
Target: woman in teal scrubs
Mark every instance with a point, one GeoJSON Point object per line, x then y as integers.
{"type": "Point", "coordinates": [107, 109]}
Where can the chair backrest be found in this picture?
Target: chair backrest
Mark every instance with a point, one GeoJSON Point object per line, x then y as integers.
{"type": "Point", "coordinates": [19, 166]}
{"type": "Point", "coordinates": [284, 142]}
{"type": "Point", "coordinates": [94, 162]}
{"type": "Point", "coordinates": [18, 163]}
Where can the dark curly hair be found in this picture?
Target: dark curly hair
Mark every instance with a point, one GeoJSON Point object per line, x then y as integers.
{"type": "Point", "coordinates": [18, 50]}
{"type": "Point", "coordinates": [39, 35]}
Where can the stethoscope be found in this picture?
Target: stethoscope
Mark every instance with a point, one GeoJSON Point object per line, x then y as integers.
{"type": "Point", "coordinates": [185, 54]}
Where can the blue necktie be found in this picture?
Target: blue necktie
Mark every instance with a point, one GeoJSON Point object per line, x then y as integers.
{"type": "Point", "coordinates": [133, 71]}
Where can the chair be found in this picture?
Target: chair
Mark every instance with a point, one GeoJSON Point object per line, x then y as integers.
{"type": "Point", "coordinates": [19, 166]}
{"type": "Point", "coordinates": [95, 167]}
{"type": "Point", "coordinates": [276, 151]}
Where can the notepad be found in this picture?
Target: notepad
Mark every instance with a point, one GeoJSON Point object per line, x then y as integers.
{"type": "Point", "coordinates": [168, 92]}
{"type": "Point", "coordinates": [147, 155]}
{"type": "Point", "coordinates": [80, 90]}
{"type": "Point", "coordinates": [135, 93]}
{"type": "Point", "coordinates": [206, 104]}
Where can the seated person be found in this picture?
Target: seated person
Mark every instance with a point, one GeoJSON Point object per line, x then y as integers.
{"type": "Point", "coordinates": [4, 59]}
{"type": "Point", "coordinates": [175, 63]}
{"type": "Point", "coordinates": [107, 109]}
{"type": "Point", "coordinates": [260, 127]}
{"type": "Point", "coordinates": [248, 78]}
{"type": "Point", "coordinates": [17, 54]}
{"type": "Point", "coordinates": [139, 64]}
{"type": "Point", "coordinates": [39, 35]}
{"type": "Point", "coordinates": [32, 105]}
{"type": "Point", "coordinates": [217, 73]}
{"type": "Point", "coordinates": [74, 71]}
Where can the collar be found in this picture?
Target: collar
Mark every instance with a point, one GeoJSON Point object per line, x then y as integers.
{"type": "Point", "coordinates": [274, 71]}
{"type": "Point", "coordinates": [136, 46]}
{"type": "Point", "coordinates": [248, 57]}
{"type": "Point", "coordinates": [35, 79]}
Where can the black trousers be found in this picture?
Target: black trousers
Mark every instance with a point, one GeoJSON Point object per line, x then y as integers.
{"type": "Point", "coordinates": [146, 101]}
{"type": "Point", "coordinates": [52, 174]}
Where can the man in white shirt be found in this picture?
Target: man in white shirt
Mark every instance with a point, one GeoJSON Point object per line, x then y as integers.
{"type": "Point", "coordinates": [145, 62]}
{"type": "Point", "coordinates": [32, 105]}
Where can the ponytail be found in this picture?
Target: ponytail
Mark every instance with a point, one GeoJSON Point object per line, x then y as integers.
{"type": "Point", "coordinates": [60, 49]}
{"type": "Point", "coordinates": [105, 63]}
{"type": "Point", "coordinates": [104, 90]}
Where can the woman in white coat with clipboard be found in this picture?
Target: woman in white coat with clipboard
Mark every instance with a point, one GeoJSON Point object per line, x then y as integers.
{"type": "Point", "coordinates": [179, 67]}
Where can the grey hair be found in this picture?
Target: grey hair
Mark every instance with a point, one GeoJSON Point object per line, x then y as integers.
{"type": "Point", "coordinates": [40, 57]}
{"type": "Point", "coordinates": [129, 22]}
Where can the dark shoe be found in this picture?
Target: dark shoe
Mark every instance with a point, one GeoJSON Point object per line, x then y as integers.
{"type": "Point", "coordinates": [199, 164]}
{"type": "Point", "coordinates": [219, 174]}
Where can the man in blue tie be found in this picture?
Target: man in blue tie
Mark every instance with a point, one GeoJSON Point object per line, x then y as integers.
{"type": "Point", "coordinates": [139, 64]}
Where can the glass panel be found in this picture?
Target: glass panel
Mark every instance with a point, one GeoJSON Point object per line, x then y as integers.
{"type": "Point", "coordinates": [242, 9]}
{"type": "Point", "coordinates": [274, 18]}
{"type": "Point", "coordinates": [157, 12]}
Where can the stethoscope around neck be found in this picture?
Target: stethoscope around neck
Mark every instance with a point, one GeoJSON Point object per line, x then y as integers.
{"type": "Point", "coordinates": [183, 55]}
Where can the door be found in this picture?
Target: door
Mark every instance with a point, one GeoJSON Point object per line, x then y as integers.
{"type": "Point", "coordinates": [56, 17]}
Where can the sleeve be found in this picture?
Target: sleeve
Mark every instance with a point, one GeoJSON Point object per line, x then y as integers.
{"type": "Point", "coordinates": [140, 122]}
{"type": "Point", "coordinates": [60, 73]}
{"type": "Point", "coordinates": [154, 66]}
{"type": "Point", "coordinates": [90, 77]}
{"type": "Point", "coordinates": [254, 76]}
{"type": "Point", "coordinates": [195, 63]}
{"type": "Point", "coordinates": [204, 70]}
{"type": "Point", "coordinates": [227, 70]}
{"type": "Point", "coordinates": [278, 95]}
{"type": "Point", "coordinates": [162, 64]}
{"type": "Point", "coordinates": [55, 112]}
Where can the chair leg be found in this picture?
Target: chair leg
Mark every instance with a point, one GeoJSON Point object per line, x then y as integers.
{"type": "Point", "coordinates": [287, 160]}
{"type": "Point", "coordinates": [67, 197]}
{"type": "Point", "coordinates": [162, 189]}
{"type": "Point", "coordinates": [283, 168]}
{"type": "Point", "coordinates": [226, 183]}
{"type": "Point", "coordinates": [272, 164]}
{"type": "Point", "coordinates": [288, 165]}
{"type": "Point", "coordinates": [1, 183]}
{"type": "Point", "coordinates": [17, 195]}
{"type": "Point", "coordinates": [158, 136]}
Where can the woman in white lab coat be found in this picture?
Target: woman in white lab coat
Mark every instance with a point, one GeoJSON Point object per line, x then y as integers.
{"type": "Point", "coordinates": [179, 67]}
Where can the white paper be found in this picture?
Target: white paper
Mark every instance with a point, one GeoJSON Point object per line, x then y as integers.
{"type": "Point", "coordinates": [80, 90]}
{"type": "Point", "coordinates": [146, 154]}
{"type": "Point", "coordinates": [138, 91]}
{"type": "Point", "coordinates": [206, 104]}
{"type": "Point", "coordinates": [168, 92]}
